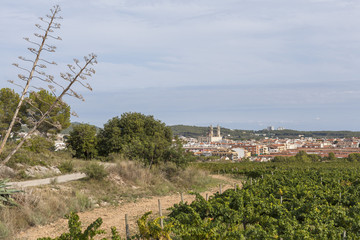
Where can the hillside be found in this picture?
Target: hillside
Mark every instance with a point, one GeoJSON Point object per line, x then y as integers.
{"type": "Point", "coordinates": [237, 134]}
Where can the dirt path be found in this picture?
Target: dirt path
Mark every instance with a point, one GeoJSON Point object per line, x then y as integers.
{"type": "Point", "coordinates": [44, 181]}
{"type": "Point", "coordinates": [58, 179]}
{"type": "Point", "coordinates": [115, 216]}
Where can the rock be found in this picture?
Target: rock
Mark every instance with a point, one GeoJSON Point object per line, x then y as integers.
{"type": "Point", "coordinates": [6, 172]}
{"type": "Point", "coordinates": [42, 171]}
{"type": "Point", "coordinates": [104, 204]}
{"type": "Point", "coordinates": [55, 170]}
{"type": "Point", "coordinates": [19, 165]}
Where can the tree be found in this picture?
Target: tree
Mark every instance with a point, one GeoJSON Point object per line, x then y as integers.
{"type": "Point", "coordinates": [39, 144]}
{"type": "Point", "coordinates": [354, 157]}
{"type": "Point", "coordinates": [136, 136]}
{"type": "Point", "coordinates": [302, 156]}
{"type": "Point", "coordinates": [83, 141]}
{"type": "Point", "coordinates": [280, 159]}
{"type": "Point", "coordinates": [8, 102]}
{"type": "Point", "coordinates": [331, 156]}
{"type": "Point", "coordinates": [177, 154]}
{"type": "Point", "coordinates": [77, 73]}
{"type": "Point", "coordinates": [57, 119]}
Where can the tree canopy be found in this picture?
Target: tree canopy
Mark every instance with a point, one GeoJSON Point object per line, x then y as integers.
{"type": "Point", "coordinates": [8, 102]}
{"type": "Point", "coordinates": [38, 103]}
{"type": "Point", "coordinates": [137, 137]}
{"type": "Point", "coordinates": [83, 141]}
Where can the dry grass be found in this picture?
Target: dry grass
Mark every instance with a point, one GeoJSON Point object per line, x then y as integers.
{"type": "Point", "coordinates": [127, 181]}
{"type": "Point", "coordinates": [162, 179]}
{"type": "Point", "coordinates": [133, 173]}
{"type": "Point", "coordinates": [39, 206]}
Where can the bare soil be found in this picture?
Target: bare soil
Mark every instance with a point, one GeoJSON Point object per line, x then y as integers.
{"type": "Point", "coordinates": [115, 216]}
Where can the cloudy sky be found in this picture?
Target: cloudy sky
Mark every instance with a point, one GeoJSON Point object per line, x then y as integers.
{"type": "Point", "coordinates": [244, 64]}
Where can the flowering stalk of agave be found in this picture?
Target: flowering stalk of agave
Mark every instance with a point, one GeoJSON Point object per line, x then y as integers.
{"type": "Point", "coordinates": [77, 73]}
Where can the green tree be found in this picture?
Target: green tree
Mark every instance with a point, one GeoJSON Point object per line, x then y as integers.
{"type": "Point", "coordinates": [39, 144]}
{"type": "Point", "coordinates": [177, 154]}
{"type": "Point", "coordinates": [40, 102]}
{"type": "Point", "coordinates": [77, 73]}
{"type": "Point", "coordinates": [302, 156]}
{"type": "Point", "coordinates": [136, 136]}
{"type": "Point", "coordinates": [83, 141]}
{"type": "Point", "coordinates": [331, 156]}
{"type": "Point", "coordinates": [280, 159]}
{"type": "Point", "coordinates": [354, 157]}
{"type": "Point", "coordinates": [8, 101]}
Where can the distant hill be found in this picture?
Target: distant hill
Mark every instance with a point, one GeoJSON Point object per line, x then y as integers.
{"type": "Point", "coordinates": [194, 131]}
{"type": "Point", "coordinates": [189, 131]}
{"type": "Point", "coordinates": [69, 129]}
{"type": "Point", "coordinates": [236, 134]}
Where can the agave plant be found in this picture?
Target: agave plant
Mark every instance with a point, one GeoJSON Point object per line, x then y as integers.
{"type": "Point", "coordinates": [5, 193]}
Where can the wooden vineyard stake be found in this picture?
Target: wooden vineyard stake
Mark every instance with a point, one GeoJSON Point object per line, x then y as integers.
{"type": "Point", "coordinates": [160, 213]}
{"type": "Point", "coordinates": [127, 227]}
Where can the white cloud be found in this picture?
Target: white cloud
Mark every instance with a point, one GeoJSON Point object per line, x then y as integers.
{"type": "Point", "coordinates": [144, 44]}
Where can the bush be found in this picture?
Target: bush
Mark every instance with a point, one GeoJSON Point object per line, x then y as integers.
{"type": "Point", "coordinates": [131, 171]}
{"type": "Point", "coordinates": [75, 231]}
{"type": "Point", "coordinates": [170, 170]}
{"type": "Point", "coordinates": [39, 144]}
{"type": "Point", "coordinates": [95, 171]}
{"type": "Point", "coordinates": [148, 229]}
{"type": "Point", "coordinates": [66, 167]}
{"type": "Point", "coordinates": [5, 193]}
{"type": "Point", "coordinates": [115, 157]}
{"type": "Point", "coordinates": [354, 157]}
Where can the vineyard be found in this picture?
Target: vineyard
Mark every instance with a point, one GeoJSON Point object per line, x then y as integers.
{"type": "Point", "coordinates": [276, 201]}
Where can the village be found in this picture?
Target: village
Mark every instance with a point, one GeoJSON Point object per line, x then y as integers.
{"type": "Point", "coordinates": [267, 148]}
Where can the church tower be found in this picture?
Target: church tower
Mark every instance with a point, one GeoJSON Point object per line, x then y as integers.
{"type": "Point", "coordinates": [211, 131]}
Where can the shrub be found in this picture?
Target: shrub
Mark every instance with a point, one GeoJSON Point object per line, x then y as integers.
{"type": "Point", "coordinates": [75, 231]}
{"type": "Point", "coordinates": [95, 171]}
{"type": "Point", "coordinates": [81, 202]}
{"type": "Point", "coordinates": [113, 157]}
{"type": "Point", "coordinates": [5, 193]}
{"type": "Point", "coordinates": [4, 231]}
{"type": "Point", "coordinates": [39, 144]}
{"type": "Point", "coordinates": [170, 170]}
{"type": "Point", "coordinates": [131, 171]}
{"type": "Point", "coordinates": [148, 229]}
{"type": "Point", "coordinates": [66, 167]}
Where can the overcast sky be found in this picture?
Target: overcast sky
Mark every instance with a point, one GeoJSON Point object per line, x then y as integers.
{"type": "Point", "coordinates": [244, 64]}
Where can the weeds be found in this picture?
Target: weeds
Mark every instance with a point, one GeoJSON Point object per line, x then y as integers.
{"type": "Point", "coordinates": [148, 229]}
{"type": "Point", "coordinates": [38, 207]}
{"type": "Point", "coordinates": [5, 193]}
{"type": "Point", "coordinates": [127, 181]}
{"type": "Point", "coordinates": [66, 166]}
{"type": "Point", "coordinates": [75, 231]}
{"type": "Point", "coordinates": [95, 171]}
{"type": "Point", "coordinates": [80, 202]}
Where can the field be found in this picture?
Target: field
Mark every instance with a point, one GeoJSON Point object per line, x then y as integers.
{"type": "Point", "coordinates": [277, 201]}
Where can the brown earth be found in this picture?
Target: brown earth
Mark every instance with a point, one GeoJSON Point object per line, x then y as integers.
{"type": "Point", "coordinates": [115, 216]}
